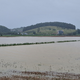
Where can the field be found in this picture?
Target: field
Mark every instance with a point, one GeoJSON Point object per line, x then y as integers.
{"type": "Point", "coordinates": [49, 30]}
{"type": "Point", "coordinates": [54, 61]}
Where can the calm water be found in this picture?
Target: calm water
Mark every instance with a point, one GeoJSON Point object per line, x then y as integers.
{"type": "Point", "coordinates": [8, 40]}
{"type": "Point", "coordinates": [58, 57]}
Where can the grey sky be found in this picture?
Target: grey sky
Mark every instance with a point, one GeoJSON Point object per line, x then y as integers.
{"type": "Point", "coordinates": [20, 13]}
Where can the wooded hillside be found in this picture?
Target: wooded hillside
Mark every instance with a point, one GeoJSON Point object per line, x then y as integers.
{"type": "Point", "coordinates": [4, 29]}
{"type": "Point", "coordinates": [58, 24]}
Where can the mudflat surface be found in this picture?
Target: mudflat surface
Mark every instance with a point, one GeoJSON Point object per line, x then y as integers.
{"type": "Point", "coordinates": [11, 40]}
{"type": "Point", "coordinates": [58, 57]}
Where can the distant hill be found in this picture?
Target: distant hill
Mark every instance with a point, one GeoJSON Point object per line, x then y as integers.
{"type": "Point", "coordinates": [58, 24]}
{"type": "Point", "coordinates": [50, 28]}
{"type": "Point", "coordinates": [47, 28]}
{"type": "Point", "coordinates": [4, 30]}
{"type": "Point", "coordinates": [18, 29]}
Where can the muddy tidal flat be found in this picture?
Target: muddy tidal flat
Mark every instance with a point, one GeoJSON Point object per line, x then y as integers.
{"type": "Point", "coordinates": [12, 40]}
{"type": "Point", "coordinates": [57, 58]}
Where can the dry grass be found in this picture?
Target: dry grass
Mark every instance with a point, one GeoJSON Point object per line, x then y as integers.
{"type": "Point", "coordinates": [42, 76]}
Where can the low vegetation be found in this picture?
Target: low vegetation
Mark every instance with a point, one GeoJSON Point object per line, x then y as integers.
{"type": "Point", "coordinates": [25, 44]}
{"type": "Point", "coordinates": [42, 76]}
{"type": "Point", "coordinates": [67, 41]}
{"type": "Point", "coordinates": [3, 45]}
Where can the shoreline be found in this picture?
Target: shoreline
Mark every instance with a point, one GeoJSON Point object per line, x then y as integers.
{"type": "Point", "coordinates": [39, 36]}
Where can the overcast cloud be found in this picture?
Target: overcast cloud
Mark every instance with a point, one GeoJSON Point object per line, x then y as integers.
{"type": "Point", "coordinates": [20, 13]}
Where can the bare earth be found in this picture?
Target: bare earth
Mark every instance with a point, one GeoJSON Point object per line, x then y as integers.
{"type": "Point", "coordinates": [58, 57]}
{"type": "Point", "coordinates": [11, 40]}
